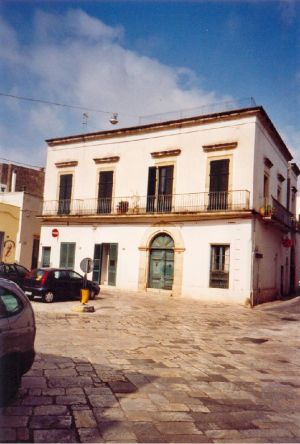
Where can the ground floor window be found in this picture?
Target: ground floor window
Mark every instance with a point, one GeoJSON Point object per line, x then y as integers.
{"type": "Point", "coordinates": [46, 252]}
{"type": "Point", "coordinates": [219, 266]}
{"type": "Point", "coordinates": [67, 254]}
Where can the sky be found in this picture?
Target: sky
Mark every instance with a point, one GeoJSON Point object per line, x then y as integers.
{"type": "Point", "coordinates": [138, 59]}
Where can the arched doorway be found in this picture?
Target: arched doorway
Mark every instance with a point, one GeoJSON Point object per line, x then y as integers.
{"type": "Point", "coordinates": [161, 263]}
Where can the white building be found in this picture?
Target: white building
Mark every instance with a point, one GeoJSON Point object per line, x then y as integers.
{"type": "Point", "coordinates": [201, 207]}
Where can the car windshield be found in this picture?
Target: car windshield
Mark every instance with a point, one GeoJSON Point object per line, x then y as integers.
{"type": "Point", "coordinates": [37, 274]}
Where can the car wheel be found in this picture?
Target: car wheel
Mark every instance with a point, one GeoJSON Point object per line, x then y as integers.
{"type": "Point", "coordinates": [92, 295]}
{"type": "Point", "coordinates": [10, 379]}
{"type": "Point", "coordinates": [48, 297]}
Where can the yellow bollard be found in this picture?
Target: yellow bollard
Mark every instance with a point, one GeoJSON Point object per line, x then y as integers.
{"type": "Point", "coordinates": [85, 293]}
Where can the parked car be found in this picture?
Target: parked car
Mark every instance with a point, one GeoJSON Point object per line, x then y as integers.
{"type": "Point", "coordinates": [17, 335]}
{"type": "Point", "coordinates": [56, 283]}
{"type": "Point", "coordinates": [13, 272]}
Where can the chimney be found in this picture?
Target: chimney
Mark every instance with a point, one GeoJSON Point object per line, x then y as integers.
{"type": "Point", "coordinates": [13, 181]}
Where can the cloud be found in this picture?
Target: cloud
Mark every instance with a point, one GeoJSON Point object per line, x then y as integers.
{"type": "Point", "coordinates": [78, 59]}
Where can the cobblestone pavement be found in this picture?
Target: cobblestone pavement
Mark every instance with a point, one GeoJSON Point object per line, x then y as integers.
{"type": "Point", "coordinates": [152, 368]}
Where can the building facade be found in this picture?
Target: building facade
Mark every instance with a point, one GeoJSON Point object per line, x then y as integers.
{"type": "Point", "coordinates": [21, 191]}
{"type": "Point", "coordinates": [202, 207]}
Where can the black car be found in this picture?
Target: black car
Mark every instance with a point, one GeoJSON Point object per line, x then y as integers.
{"type": "Point", "coordinates": [13, 272]}
{"type": "Point", "coordinates": [56, 283]}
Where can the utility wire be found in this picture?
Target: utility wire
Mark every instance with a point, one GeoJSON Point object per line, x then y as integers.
{"type": "Point", "coordinates": [30, 99]}
{"type": "Point", "coordinates": [20, 163]}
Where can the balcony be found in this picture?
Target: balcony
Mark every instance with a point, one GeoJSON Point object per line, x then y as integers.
{"type": "Point", "coordinates": [274, 212]}
{"type": "Point", "coordinates": [151, 206]}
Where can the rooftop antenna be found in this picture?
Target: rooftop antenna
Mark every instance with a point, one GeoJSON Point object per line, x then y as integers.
{"type": "Point", "coordinates": [85, 117]}
{"type": "Point", "coordinates": [114, 119]}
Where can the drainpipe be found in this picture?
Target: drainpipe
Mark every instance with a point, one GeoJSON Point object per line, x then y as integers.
{"type": "Point", "coordinates": [252, 262]}
{"type": "Point", "coordinates": [13, 181]}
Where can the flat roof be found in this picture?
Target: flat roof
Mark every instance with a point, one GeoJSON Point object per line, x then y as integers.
{"type": "Point", "coordinates": [180, 123]}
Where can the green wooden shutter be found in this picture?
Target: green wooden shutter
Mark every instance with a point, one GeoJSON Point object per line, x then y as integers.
{"type": "Point", "coordinates": [97, 262]}
{"type": "Point", "coordinates": [151, 189]}
{"type": "Point", "coordinates": [112, 266]}
{"type": "Point", "coordinates": [65, 192]}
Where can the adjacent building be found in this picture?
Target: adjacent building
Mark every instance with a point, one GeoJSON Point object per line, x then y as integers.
{"type": "Point", "coordinates": [202, 206]}
{"type": "Point", "coordinates": [21, 190]}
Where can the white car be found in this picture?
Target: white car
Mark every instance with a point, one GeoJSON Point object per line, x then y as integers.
{"type": "Point", "coordinates": [17, 335]}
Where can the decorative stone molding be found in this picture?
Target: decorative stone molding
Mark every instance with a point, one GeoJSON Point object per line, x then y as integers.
{"type": "Point", "coordinates": [168, 153]}
{"type": "Point", "coordinates": [144, 249]}
{"type": "Point", "coordinates": [111, 159]}
{"type": "Point", "coordinates": [219, 146]}
{"type": "Point", "coordinates": [68, 163]}
{"type": "Point", "coordinates": [267, 162]}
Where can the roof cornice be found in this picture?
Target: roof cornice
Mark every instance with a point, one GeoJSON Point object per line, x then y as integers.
{"type": "Point", "coordinates": [180, 123]}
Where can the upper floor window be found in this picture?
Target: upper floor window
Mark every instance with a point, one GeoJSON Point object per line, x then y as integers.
{"type": "Point", "coordinates": [160, 188]}
{"type": "Point", "coordinates": [65, 193]}
{"type": "Point", "coordinates": [105, 189]}
{"type": "Point", "coordinates": [266, 186]}
{"type": "Point", "coordinates": [218, 184]}
{"type": "Point", "coordinates": [279, 193]}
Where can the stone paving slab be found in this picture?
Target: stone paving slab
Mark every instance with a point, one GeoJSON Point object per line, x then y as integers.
{"type": "Point", "coordinates": [153, 368]}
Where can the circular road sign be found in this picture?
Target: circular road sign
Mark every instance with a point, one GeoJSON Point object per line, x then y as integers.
{"type": "Point", "coordinates": [87, 265]}
{"type": "Point", "coordinates": [55, 232]}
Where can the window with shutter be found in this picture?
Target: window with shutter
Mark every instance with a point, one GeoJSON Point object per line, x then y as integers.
{"type": "Point", "coordinates": [67, 255]}
{"type": "Point", "coordinates": [105, 191]}
{"type": "Point", "coordinates": [65, 192]}
{"type": "Point", "coordinates": [160, 189]}
{"type": "Point", "coordinates": [218, 184]}
{"type": "Point", "coordinates": [219, 266]}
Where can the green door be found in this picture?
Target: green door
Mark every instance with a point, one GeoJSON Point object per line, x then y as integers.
{"type": "Point", "coordinates": [97, 262]}
{"type": "Point", "coordinates": [161, 268]}
{"type": "Point", "coordinates": [112, 264]}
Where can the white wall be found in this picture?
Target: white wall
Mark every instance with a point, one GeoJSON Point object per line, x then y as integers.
{"type": "Point", "coordinates": [197, 238]}
{"type": "Point", "coordinates": [265, 147]}
{"type": "Point", "coordinates": [135, 158]}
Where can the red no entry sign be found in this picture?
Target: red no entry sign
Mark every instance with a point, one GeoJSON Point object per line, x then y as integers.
{"type": "Point", "coordinates": [55, 232]}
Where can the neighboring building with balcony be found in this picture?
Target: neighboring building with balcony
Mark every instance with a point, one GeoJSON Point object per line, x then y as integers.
{"type": "Point", "coordinates": [201, 206]}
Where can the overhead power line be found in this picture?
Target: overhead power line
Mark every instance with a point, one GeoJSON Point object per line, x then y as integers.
{"type": "Point", "coordinates": [48, 102]}
{"type": "Point", "coordinates": [14, 162]}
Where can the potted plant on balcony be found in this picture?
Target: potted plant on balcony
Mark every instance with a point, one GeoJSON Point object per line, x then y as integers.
{"type": "Point", "coordinates": [136, 204]}
{"type": "Point", "coordinates": [123, 206]}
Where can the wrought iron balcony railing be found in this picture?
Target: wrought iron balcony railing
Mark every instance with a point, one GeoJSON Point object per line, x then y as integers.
{"type": "Point", "coordinates": [145, 205]}
{"type": "Point", "coordinates": [276, 212]}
